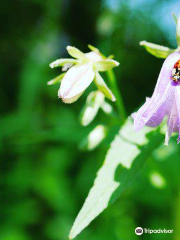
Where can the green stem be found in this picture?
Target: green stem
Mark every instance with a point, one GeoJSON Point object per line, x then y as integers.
{"type": "Point", "coordinates": [115, 90]}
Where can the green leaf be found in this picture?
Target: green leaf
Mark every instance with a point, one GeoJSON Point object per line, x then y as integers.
{"type": "Point", "coordinates": [101, 85]}
{"type": "Point", "coordinates": [76, 53]}
{"type": "Point", "coordinates": [157, 50]}
{"type": "Point", "coordinates": [105, 65]}
{"type": "Point", "coordinates": [124, 159]}
{"type": "Point", "coordinates": [178, 30]}
{"type": "Point", "coordinates": [63, 61]}
{"type": "Point", "coordinates": [94, 138]}
{"type": "Point", "coordinates": [56, 80]}
{"type": "Point", "coordinates": [91, 108]}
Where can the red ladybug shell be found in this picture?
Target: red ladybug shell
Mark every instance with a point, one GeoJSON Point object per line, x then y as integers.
{"type": "Point", "coordinates": [177, 64]}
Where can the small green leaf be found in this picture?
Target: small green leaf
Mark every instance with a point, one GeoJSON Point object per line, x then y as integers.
{"type": "Point", "coordinates": [106, 64]}
{"type": "Point", "coordinates": [124, 159]}
{"type": "Point", "coordinates": [61, 62]}
{"type": "Point", "coordinates": [92, 105]}
{"type": "Point", "coordinates": [76, 53]}
{"type": "Point", "coordinates": [56, 80]}
{"type": "Point", "coordinates": [95, 137]}
{"type": "Point", "coordinates": [157, 50]}
{"type": "Point", "coordinates": [178, 30]}
{"type": "Point", "coordinates": [101, 85]}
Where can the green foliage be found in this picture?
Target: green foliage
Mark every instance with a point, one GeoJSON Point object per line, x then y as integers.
{"type": "Point", "coordinates": [124, 159]}
{"type": "Point", "coordinates": [44, 176]}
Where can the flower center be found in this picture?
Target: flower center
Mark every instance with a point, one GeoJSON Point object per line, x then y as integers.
{"type": "Point", "coordinates": [176, 72]}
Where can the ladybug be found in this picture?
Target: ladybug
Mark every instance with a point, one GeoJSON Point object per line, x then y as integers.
{"type": "Point", "coordinates": [176, 72]}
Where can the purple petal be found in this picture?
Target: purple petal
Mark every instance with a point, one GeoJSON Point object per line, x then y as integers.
{"type": "Point", "coordinates": [172, 122]}
{"type": "Point", "coordinates": [165, 74]}
{"type": "Point", "coordinates": [163, 110]}
{"type": "Point", "coordinates": [155, 108]}
{"type": "Point", "coordinates": [177, 97]}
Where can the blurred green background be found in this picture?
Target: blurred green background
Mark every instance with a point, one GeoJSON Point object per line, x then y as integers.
{"type": "Point", "coordinates": [44, 176]}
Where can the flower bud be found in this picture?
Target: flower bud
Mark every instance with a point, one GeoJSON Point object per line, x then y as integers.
{"type": "Point", "coordinates": [95, 137]}
{"type": "Point", "coordinates": [91, 108]}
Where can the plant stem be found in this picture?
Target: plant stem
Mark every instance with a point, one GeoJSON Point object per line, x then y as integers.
{"type": "Point", "coordinates": [115, 90]}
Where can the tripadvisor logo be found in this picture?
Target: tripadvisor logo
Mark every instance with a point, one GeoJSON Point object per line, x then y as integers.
{"type": "Point", "coordinates": [139, 231]}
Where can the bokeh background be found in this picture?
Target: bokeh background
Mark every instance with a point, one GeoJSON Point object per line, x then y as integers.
{"type": "Point", "coordinates": [45, 177]}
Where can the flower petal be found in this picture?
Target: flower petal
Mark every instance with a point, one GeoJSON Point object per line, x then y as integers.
{"type": "Point", "coordinates": [177, 97]}
{"type": "Point", "coordinates": [73, 99]}
{"type": "Point", "coordinates": [163, 110]}
{"type": "Point", "coordinates": [172, 121]}
{"type": "Point", "coordinates": [75, 81]}
{"type": "Point", "coordinates": [101, 85]}
{"type": "Point", "coordinates": [67, 66]}
{"type": "Point", "coordinates": [56, 79]}
{"type": "Point", "coordinates": [153, 111]}
{"type": "Point", "coordinates": [93, 56]}
{"type": "Point", "coordinates": [76, 53]}
{"type": "Point", "coordinates": [96, 50]}
{"type": "Point", "coordinates": [161, 98]}
{"type": "Point", "coordinates": [61, 62]}
{"type": "Point", "coordinates": [157, 50]}
{"type": "Point", "coordinates": [165, 74]}
{"type": "Point", "coordinates": [106, 64]}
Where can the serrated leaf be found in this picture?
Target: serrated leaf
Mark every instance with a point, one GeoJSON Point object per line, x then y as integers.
{"type": "Point", "coordinates": [125, 157]}
{"type": "Point", "coordinates": [157, 50]}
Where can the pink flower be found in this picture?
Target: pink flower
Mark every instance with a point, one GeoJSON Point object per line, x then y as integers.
{"type": "Point", "coordinates": [165, 100]}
